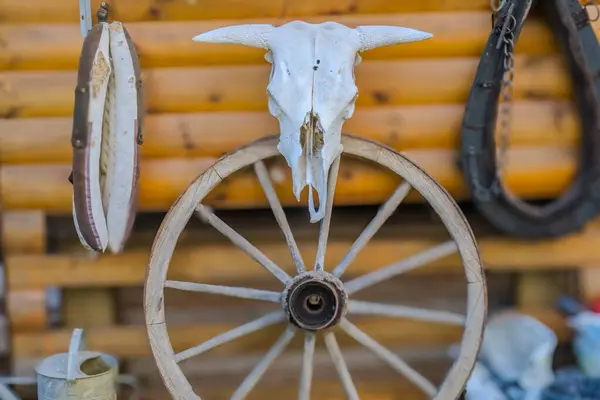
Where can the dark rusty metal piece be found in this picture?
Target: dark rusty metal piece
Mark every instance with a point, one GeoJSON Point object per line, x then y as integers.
{"type": "Point", "coordinates": [315, 301]}
{"type": "Point", "coordinates": [103, 12]}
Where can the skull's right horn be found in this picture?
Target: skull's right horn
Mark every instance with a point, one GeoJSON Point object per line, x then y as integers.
{"type": "Point", "coordinates": [373, 36]}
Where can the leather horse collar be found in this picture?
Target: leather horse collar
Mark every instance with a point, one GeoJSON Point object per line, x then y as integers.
{"type": "Point", "coordinates": [571, 26]}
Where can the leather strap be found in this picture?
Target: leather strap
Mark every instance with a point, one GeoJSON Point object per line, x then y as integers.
{"type": "Point", "coordinates": [581, 203]}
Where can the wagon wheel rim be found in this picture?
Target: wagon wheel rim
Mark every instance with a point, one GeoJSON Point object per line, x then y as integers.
{"type": "Point", "coordinates": [299, 291]}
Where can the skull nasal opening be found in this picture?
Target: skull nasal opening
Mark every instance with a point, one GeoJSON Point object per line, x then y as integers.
{"type": "Point", "coordinates": [311, 133]}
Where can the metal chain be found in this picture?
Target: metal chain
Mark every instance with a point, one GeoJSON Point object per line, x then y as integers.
{"type": "Point", "coordinates": [506, 93]}
{"type": "Point", "coordinates": [508, 44]}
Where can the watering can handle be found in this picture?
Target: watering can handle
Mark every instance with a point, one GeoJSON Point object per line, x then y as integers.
{"type": "Point", "coordinates": [76, 345]}
{"type": "Point", "coordinates": [7, 394]}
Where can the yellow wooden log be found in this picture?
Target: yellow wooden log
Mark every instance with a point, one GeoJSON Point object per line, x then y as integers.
{"type": "Point", "coordinates": [24, 232]}
{"type": "Point", "coordinates": [331, 390]}
{"type": "Point", "coordinates": [531, 173]}
{"type": "Point", "coordinates": [421, 81]}
{"type": "Point", "coordinates": [131, 341]}
{"type": "Point", "coordinates": [218, 263]}
{"type": "Point", "coordinates": [144, 10]}
{"type": "Point", "coordinates": [26, 310]}
{"type": "Point", "coordinates": [89, 307]}
{"type": "Point", "coordinates": [211, 134]}
{"type": "Point", "coordinates": [167, 44]}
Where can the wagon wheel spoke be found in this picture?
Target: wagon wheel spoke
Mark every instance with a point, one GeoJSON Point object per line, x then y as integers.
{"type": "Point", "coordinates": [242, 243]}
{"type": "Point", "coordinates": [418, 260]}
{"type": "Point", "coordinates": [259, 370]}
{"type": "Point", "coordinates": [267, 185]}
{"type": "Point", "coordinates": [307, 366]}
{"type": "Point", "coordinates": [384, 212]}
{"type": "Point", "coordinates": [340, 366]}
{"type": "Point", "coordinates": [232, 291]}
{"type": "Point", "coordinates": [326, 221]}
{"type": "Point", "coordinates": [389, 310]}
{"type": "Point", "coordinates": [388, 357]}
{"type": "Point", "coordinates": [242, 330]}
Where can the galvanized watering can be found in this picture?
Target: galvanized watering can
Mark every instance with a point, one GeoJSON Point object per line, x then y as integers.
{"type": "Point", "coordinates": [78, 374]}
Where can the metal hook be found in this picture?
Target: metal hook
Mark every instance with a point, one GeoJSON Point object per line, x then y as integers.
{"type": "Point", "coordinates": [496, 8]}
{"type": "Point", "coordinates": [85, 16]}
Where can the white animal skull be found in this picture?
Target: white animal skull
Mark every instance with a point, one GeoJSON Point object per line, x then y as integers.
{"type": "Point", "coordinates": [311, 88]}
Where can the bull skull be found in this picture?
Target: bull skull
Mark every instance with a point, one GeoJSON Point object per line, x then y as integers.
{"type": "Point", "coordinates": [311, 88]}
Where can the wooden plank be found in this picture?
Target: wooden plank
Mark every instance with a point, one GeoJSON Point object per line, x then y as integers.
{"type": "Point", "coordinates": [224, 263]}
{"type": "Point", "coordinates": [24, 232]}
{"type": "Point", "coordinates": [88, 308]}
{"type": "Point", "coordinates": [538, 289]}
{"type": "Point", "coordinates": [131, 341]}
{"type": "Point", "coordinates": [330, 390]}
{"type": "Point", "coordinates": [144, 10]}
{"type": "Point", "coordinates": [434, 291]}
{"type": "Point", "coordinates": [26, 310]}
{"type": "Point", "coordinates": [222, 369]}
{"type": "Point", "coordinates": [211, 134]}
{"type": "Point", "coordinates": [531, 173]}
{"type": "Point", "coordinates": [213, 377]}
{"type": "Point", "coordinates": [368, 390]}
{"type": "Point", "coordinates": [186, 89]}
{"type": "Point", "coordinates": [589, 283]}
{"type": "Point", "coordinates": [411, 222]}
{"type": "Point", "coordinates": [168, 44]}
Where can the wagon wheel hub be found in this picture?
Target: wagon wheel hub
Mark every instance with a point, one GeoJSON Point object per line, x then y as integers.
{"type": "Point", "coordinates": [315, 301]}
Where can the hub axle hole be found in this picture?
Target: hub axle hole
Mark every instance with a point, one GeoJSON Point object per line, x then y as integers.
{"type": "Point", "coordinates": [314, 303]}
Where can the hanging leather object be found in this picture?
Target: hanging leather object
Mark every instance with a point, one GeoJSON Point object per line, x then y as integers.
{"type": "Point", "coordinates": [107, 133]}
{"type": "Point", "coordinates": [570, 24]}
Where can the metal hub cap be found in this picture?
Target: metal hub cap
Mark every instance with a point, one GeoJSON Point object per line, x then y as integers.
{"type": "Point", "coordinates": [315, 301]}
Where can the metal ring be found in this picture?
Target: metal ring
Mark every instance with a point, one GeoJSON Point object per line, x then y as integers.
{"type": "Point", "coordinates": [595, 5]}
{"type": "Point", "coordinates": [499, 6]}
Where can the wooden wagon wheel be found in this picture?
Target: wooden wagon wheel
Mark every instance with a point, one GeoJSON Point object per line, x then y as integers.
{"type": "Point", "coordinates": [316, 299]}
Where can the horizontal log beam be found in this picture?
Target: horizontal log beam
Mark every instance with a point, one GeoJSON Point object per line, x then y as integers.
{"type": "Point", "coordinates": [531, 173]}
{"type": "Point", "coordinates": [368, 389]}
{"type": "Point", "coordinates": [26, 310]}
{"type": "Point", "coordinates": [169, 44]}
{"type": "Point", "coordinates": [131, 341]}
{"type": "Point", "coordinates": [23, 231]}
{"type": "Point", "coordinates": [211, 134]}
{"type": "Point", "coordinates": [222, 263]}
{"type": "Point", "coordinates": [186, 89]}
{"type": "Point", "coordinates": [149, 10]}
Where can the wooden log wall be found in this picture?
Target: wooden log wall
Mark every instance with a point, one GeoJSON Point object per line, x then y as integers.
{"type": "Point", "coordinates": [205, 100]}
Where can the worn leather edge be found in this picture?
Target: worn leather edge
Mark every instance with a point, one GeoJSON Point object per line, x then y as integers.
{"type": "Point", "coordinates": [81, 134]}
{"type": "Point", "coordinates": [141, 111]}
